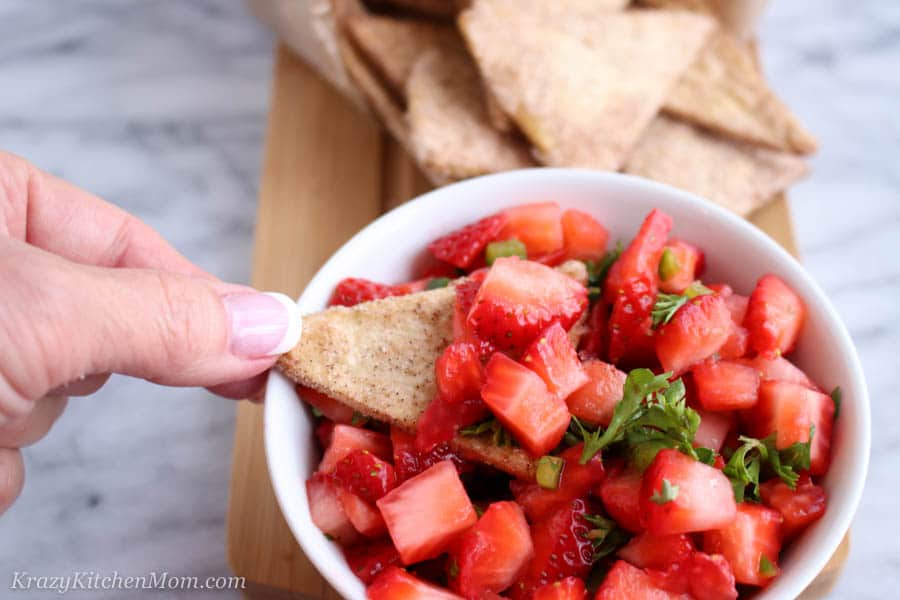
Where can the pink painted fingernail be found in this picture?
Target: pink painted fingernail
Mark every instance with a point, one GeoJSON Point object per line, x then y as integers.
{"type": "Point", "coordinates": [262, 324]}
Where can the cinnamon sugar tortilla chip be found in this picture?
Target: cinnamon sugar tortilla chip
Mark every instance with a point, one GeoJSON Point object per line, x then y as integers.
{"type": "Point", "coordinates": [450, 130]}
{"type": "Point", "coordinates": [725, 92]}
{"type": "Point", "coordinates": [581, 85]}
{"type": "Point", "coordinates": [739, 176]}
{"type": "Point", "coordinates": [394, 44]}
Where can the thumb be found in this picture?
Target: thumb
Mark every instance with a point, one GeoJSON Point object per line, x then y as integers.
{"type": "Point", "coordinates": [168, 328]}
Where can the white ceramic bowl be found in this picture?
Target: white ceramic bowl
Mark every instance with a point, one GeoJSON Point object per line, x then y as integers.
{"type": "Point", "coordinates": [737, 253]}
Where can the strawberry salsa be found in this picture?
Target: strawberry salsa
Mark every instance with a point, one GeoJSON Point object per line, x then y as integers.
{"type": "Point", "coordinates": [676, 449]}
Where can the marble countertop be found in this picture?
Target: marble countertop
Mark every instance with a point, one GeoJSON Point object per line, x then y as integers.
{"type": "Point", "coordinates": [160, 107]}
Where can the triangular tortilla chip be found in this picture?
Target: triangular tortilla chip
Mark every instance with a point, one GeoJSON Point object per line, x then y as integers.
{"type": "Point", "coordinates": [724, 91]}
{"type": "Point", "coordinates": [394, 44]}
{"type": "Point", "coordinates": [450, 130]}
{"type": "Point", "coordinates": [738, 176]}
{"type": "Point", "coordinates": [582, 86]}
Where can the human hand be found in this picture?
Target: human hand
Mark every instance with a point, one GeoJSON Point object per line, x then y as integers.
{"type": "Point", "coordinates": [87, 290]}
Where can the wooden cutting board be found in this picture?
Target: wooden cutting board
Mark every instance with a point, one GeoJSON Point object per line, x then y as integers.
{"type": "Point", "coordinates": [328, 171]}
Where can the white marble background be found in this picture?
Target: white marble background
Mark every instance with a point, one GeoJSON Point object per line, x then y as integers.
{"type": "Point", "coordinates": [160, 107]}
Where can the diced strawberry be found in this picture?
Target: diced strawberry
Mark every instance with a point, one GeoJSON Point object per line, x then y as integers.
{"type": "Point", "coordinates": [789, 410]}
{"type": "Point", "coordinates": [798, 507]}
{"type": "Point", "coordinates": [562, 548]}
{"type": "Point", "coordinates": [466, 290]}
{"type": "Point", "coordinates": [409, 461]}
{"type": "Point", "coordinates": [458, 372]}
{"type": "Point", "coordinates": [576, 481]}
{"type": "Point", "coordinates": [725, 385]}
{"type": "Point", "coordinates": [331, 408]}
{"type": "Point", "coordinates": [426, 513]}
{"type": "Point", "coordinates": [710, 577]}
{"type": "Point", "coordinates": [461, 247]}
{"type": "Point", "coordinates": [491, 555]}
{"type": "Point", "coordinates": [714, 429]}
{"type": "Point", "coordinates": [368, 559]}
{"type": "Point", "coordinates": [686, 264]}
{"type": "Point", "coordinates": [593, 343]}
{"type": "Point", "coordinates": [774, 317]}
{"type": "Point", "coordinates": [521, 401]}
{"type": "Point", "coordinates": [595, 401]}
{"type": "Point", "coordinates": [626, 582]}
{"type": "Point", "coordinates": [640, 260]}
{"type": "Point", "coordinates": [365, 475]}
{"type": "Point", "coordinates": [365, 517]}
{"type": "Point", "coordinates": [570, 588]}
{"type": "Point", "coordinates": [621, 495]}
{"type": "Point", "coordinates": [324, 430]}
{"type": "Point", "coordinates": [701, 496]}
{"type": "Point", "coordinates": [326, 510]}
{"type": "Point", "coordinates": [538, 226]}
{"type": "Point", "coordinates": [584, 236]}
{"type": "Point", "coordinates": [435, 269]}
{"type": "Point", "coordinates": [649, 551]}
{"type": "Point", "coordinates": [751, 534]}
{"type": "Point", "coordinates": [737, 343]}
{"type": "Point", "coordinates": [519, 299]}
{"type": "Point", "coordinates": [697, 331]}
{"type": "Point", "coordinates": [346, 438]}
{"type": "Point", "coordinates": [630, 322]}
{"type": "Point", "coordinates": [396, 584]}
{"type": "Point", "coordinates": [441, 420]}
{"type": "Point", "coordinates": [737, 306]}
{"type": "Point", "coordinates": [411, 287]}
{"type": "Point", "coordinates": [779, 369]}
{"type": "Point", "coordinates": [354, 290]}
{"type": "Point", "coordinates": [552, 356]}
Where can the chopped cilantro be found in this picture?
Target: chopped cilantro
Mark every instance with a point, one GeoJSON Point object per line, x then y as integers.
{"type": "Point", "coordinates": [744, 467]}
{"type": "Point", "coordinates": [667, 493]}
{"type": "Point", "coordinates": [437, 283]}
{"type": "Point", "coordinates": [500, 435]}
{"type": "Point", "coordinates": [766, 568]}
{"type": "Point", "coordinates": [668, 304]}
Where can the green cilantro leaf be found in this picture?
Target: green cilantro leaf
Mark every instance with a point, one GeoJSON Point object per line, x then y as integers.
{"type": "Point", "coordinates": [437, 283]}
{"type": "Point", "coordinates": [744, 466]}
{"type": "Point", "coordinates": [606, 537]}
{"type": "Point", "coordinates": [598, 270]}
{"type": "Point", "coordinates": [667, 493]}
{"type": "Point", "coordinates": [665, 308]}
{"type": "Point", "coordinates": [837, 396]}
{"type": "Point", "coordinates": [499, 434]}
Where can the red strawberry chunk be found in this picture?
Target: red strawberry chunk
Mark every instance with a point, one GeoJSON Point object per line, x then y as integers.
{"type": "Point", "coordinates": [354, 290]}
{"type": "Point", "coordinates": [626, 582]}
{"type": "Point", "coordinates": [697, 331]}
{"type": "Point", "coordinates": [324, 430]}
{"type": "Point", "coordinates": [576, 481]}
{"type": "Point", "coordinates": [725, 385]}
{"type": "Point", "coordinates": [491, 555]}
{"type": "Point", "coordinates": [411, 287]}
{"type": "Point", "coordinates": [369, 559]}
{"type": "Point", "coordinates": [552, 356]}
{"type": "Point", "coordinates": [595, 401]}
{"type": "Point", "coordinates": [570, 588]}
{"type": "Point", "coordinates": [458, 372]}
{"type": "Point", "coordinates": [688, 262]}
{"type": "Point", "coordinates": [779, 369]}
{"type": "Point", "coordinates": [426, 513]}
{"type": "Point", "coordinates": [538, 226]}
{"type": "Point", "coordinates": [714, 429]}
{"type": "Point", "coordinates": [703, 576]}
{"type": "Point", "coordinates": [640, 260]}
{"type": "Point", "coordinates": [409, 461]}
{"type": "Point", "coordinates": [461, 247]}
{"type": "Point", "coordinates": [789, 410]}
{"type": "Point", "coordinates": [442, 419]}
{"type": "Point", "coordinates": [326, 510]}
{"type": "Point", "coordinates": [331, 408]}
{"type": "Point", "coordinates": [346, 438]}
{"type": "Point", "coordinates": [630, 322]}
{"type": "Point", "coordinates": [701, 496]}
{"type": "Point", "coordinates": [519, 299]}
{"type": "Point", "coordinates": [751, 534]}
{"type": "Point", "coordinates": [774, 317]}
{"type": "Point", "coordinates": [799, 507]}
{"type": "Point", "coordinates": [363, 515]}
{"type": "Point", "coordinates": [593, 343]}
{"type": "Point", "coordinates": [396, 584]}
{"type": "Point", "coordinates": [621, 495]}
{"type": "Point", "coordinates": [561, 548]}
{"type": "Point", "coordinates": [649, 551]}
{"type": "Point", "coordinates": [737, 306]}
{"type": "Point", "coordinates": [584, 236]}
{"type": "Point", "coordinates": [364, 474]}
{"type": "Point", "coordinates": [737, 343]}
{"type": "Point", "coordinates": [523, 404]}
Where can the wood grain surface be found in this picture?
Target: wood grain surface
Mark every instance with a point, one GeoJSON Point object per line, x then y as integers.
{"type": "Point", "coordinates": [328, 171]}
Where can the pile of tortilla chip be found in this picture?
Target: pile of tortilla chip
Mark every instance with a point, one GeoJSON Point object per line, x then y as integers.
{"type": "Point", "coordinates": [657, 88]}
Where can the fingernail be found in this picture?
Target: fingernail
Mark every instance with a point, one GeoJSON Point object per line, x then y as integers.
{"type": "Point", "coordinates": [262, 324]}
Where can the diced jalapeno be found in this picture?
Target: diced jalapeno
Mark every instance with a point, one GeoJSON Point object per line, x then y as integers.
{"type": "Point", "coordinates": [548, 472]}
{"type": "Point", "coordinates": [497, 250]}
{"type": "Point", "coordinates": [668, 265]}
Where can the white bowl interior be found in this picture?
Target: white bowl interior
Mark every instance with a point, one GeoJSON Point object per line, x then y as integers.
{"type": "Point", "coordinates": [736, 252]}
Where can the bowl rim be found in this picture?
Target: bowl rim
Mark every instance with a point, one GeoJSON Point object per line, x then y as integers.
{"type": "Point", "coordinates": [855, 481]}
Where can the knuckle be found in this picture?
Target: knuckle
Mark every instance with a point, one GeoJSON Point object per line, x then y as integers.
{"type": "Point", "coordinates": [184, 335]}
